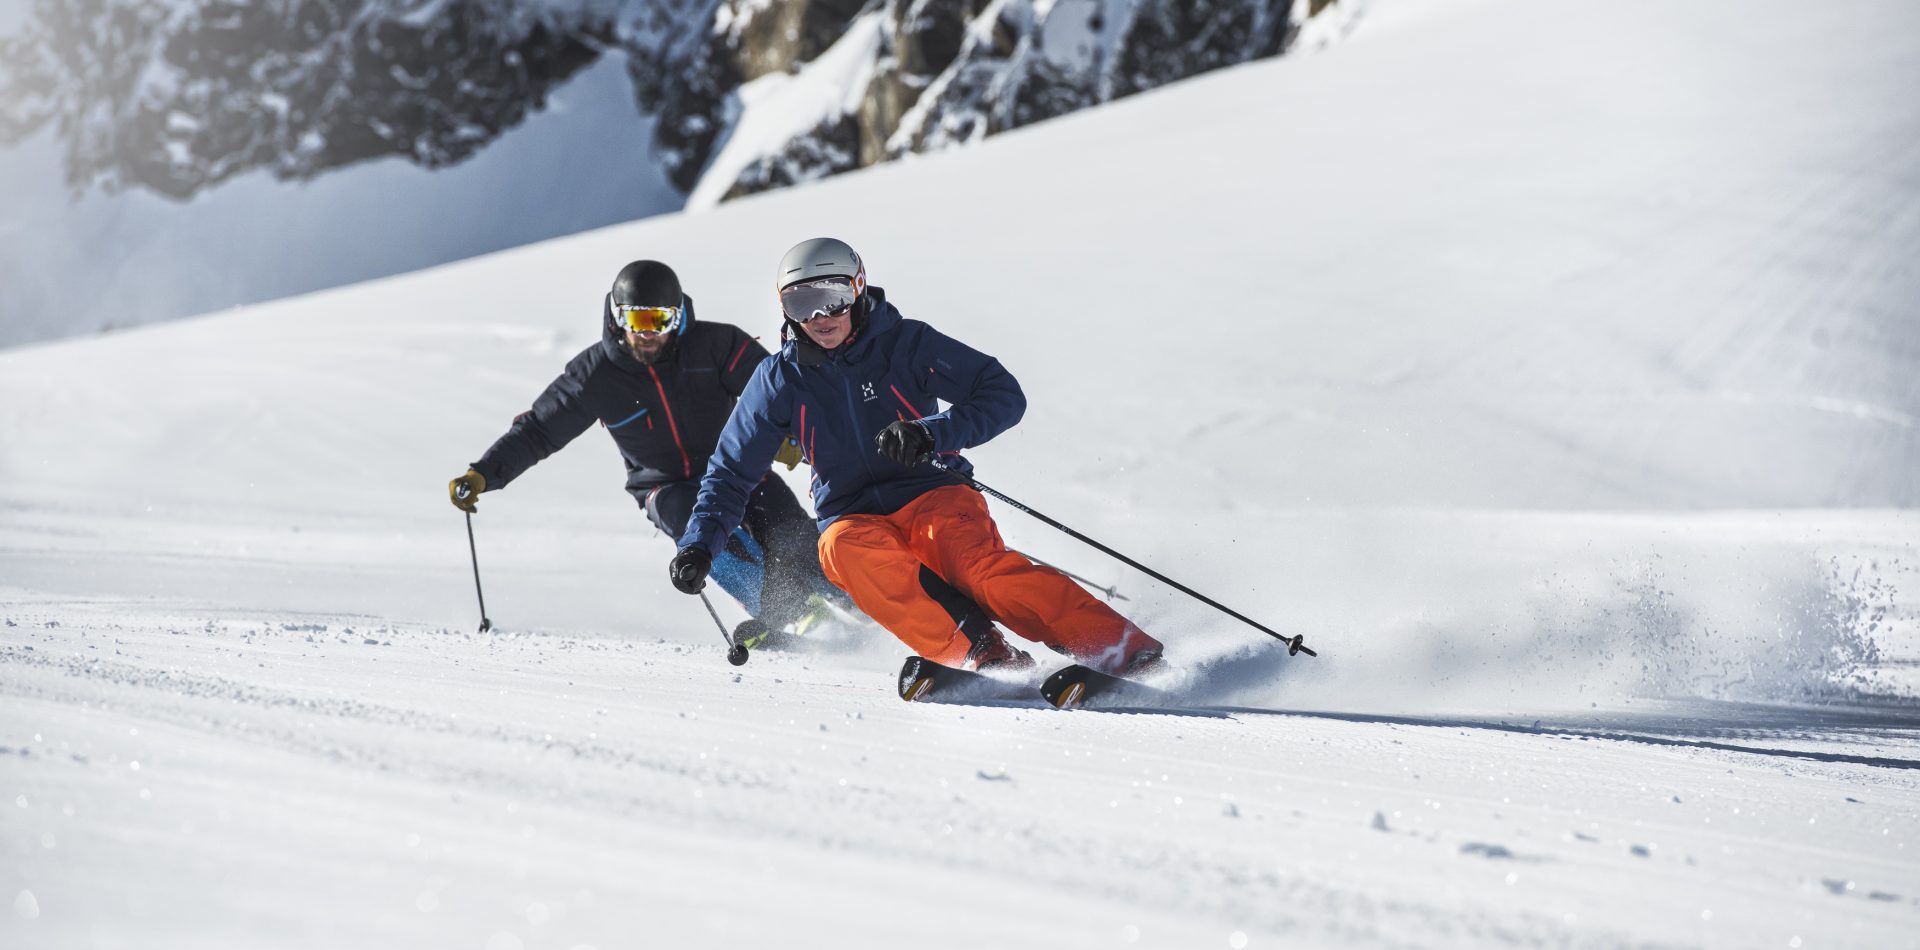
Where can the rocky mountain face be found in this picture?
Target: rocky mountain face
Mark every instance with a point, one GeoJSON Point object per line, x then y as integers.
{"type": "Point", "coordinates": [178, 95]}
{"type": "Point", "coordinates": [953, 71]}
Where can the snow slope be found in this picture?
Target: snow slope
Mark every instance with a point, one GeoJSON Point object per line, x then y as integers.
{"type": "Point", "coordinates": [1552, 370]}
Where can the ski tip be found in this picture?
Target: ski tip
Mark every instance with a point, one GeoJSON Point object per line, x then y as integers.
{"type": "Point", "coordinates": [915, 678]}
{"type": "Point", "coordinates": [1066, 687]}
{"type": "Point", "coordinates": [1069, 697]}
{"type": "Point", "coordinates": [1079, 686]}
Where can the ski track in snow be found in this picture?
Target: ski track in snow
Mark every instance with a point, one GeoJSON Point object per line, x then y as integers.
{"type": "Point", "coordinates": [450, 785]}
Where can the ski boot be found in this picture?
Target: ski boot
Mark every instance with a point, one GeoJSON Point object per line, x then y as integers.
{"type": "Point", "coordinates": [1143, 663]}
{"type": "Point", "coordinates": [754, 635]}
{"type": "Point", "coordinates": [994, 654]}
{"type": "Point", "coordinates": [818, 616]}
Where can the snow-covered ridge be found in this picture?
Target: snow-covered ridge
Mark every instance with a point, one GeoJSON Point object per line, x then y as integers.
{"type": "Point", "coordinates": [180, 96]}
{"type": "Point", "coordinates": [949, 74]}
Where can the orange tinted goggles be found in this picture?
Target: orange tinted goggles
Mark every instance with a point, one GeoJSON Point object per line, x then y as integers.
{"type": "Point", "coordinates": [647, 319]}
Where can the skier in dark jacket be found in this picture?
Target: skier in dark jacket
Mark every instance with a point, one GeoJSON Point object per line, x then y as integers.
{"type": "Point", "coordinates": [663, 385]}
{"type": "Point", "coordinates": [858, 386]}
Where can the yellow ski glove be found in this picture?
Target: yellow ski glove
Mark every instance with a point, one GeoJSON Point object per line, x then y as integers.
{"type": "Point", "coordinates": [789, 454]}
{"type": "Point", "coordinates": [465, 491]}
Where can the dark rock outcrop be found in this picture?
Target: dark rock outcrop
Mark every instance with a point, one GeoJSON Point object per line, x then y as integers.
{"type": "Point", "coordinates": [179, 96]}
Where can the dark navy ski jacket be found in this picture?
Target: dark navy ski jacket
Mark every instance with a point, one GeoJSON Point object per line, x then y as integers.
{"type": "Point", "coordinates": [836, 405]}
{"type": "Point", "coordinates": [665, 417]}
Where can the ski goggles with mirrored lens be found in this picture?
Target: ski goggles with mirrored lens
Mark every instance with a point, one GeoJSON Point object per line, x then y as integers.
{"type": "Point", "coordinates": [647, 320]}
{"type": "Point", "coordinates": [827, 297]}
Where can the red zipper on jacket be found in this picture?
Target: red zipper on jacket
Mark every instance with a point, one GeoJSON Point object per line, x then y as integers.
{"type": "Point", "coordinates": [675, 426]}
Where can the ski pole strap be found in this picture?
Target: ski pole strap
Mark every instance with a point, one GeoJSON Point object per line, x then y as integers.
{"type": "Point", "coordinates": [1295, 644]}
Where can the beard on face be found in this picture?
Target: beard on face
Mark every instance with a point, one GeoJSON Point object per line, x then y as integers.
{"type": "Point", "coordinates": [646, 357]}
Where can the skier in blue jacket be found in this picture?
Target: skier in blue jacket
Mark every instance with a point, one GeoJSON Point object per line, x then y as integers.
{"type": "Point", "coordinates": [858, 386]}
{"type": "Point", "coordinates": [663, 385]}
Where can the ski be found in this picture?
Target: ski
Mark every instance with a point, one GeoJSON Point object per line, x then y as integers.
{"type": "Point", "coordinates": [922, 680]}
{"type": "Point", "coordinates": [1076, 685]}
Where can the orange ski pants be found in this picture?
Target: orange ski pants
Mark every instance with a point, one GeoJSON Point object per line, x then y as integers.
{"type": "Point", "coordinates": [877, 560]}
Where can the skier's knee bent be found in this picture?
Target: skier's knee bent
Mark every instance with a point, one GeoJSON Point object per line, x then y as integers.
{"type": "Point", "coordinates": [669, 506]}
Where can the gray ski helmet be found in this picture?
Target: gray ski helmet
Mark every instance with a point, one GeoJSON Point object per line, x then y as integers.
{"type": "Point", "coordinates": [646, 284]}
{"type": "Point", "coordinates": [821, 257]}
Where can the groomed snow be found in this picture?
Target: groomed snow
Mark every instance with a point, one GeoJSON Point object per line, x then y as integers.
{"type": "Point", "coordinates": [1553, 370]}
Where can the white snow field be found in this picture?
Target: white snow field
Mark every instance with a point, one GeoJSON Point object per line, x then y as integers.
{"type": "Point", "coordinates": [1553, 367]}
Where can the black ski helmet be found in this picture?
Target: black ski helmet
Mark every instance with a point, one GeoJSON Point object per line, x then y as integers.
{"type": "Point", "coordinates": [646, 284]}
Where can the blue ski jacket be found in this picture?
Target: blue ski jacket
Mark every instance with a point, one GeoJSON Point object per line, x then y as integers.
{"type": "Point", "coordinates": [835, 404]}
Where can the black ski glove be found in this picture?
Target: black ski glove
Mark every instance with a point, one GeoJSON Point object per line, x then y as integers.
{"type": "Point", "coordinates": [904, 442]}
{"type": "Point", "coordinates": [689, 570]}
{"type": "Point", "coordinates": [465, 491]}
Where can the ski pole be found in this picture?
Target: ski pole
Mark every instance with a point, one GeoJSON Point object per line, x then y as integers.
{"type": "Point", "coordinates": [1113, 593]}
{"type": "Point", "coordinates": [736, 654]}
{"type": "Point", "coordinates": [1295, 644]}
{"type": "Point", "coordinates": [485, 624]}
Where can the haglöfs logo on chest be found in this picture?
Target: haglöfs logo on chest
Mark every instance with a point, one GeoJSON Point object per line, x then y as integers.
{"type": "Point", "coordinates": [867, 394]}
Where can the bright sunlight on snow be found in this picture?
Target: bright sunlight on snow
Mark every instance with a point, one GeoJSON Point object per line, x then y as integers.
{"type": "Point", "coordinates": [1552, 367]}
